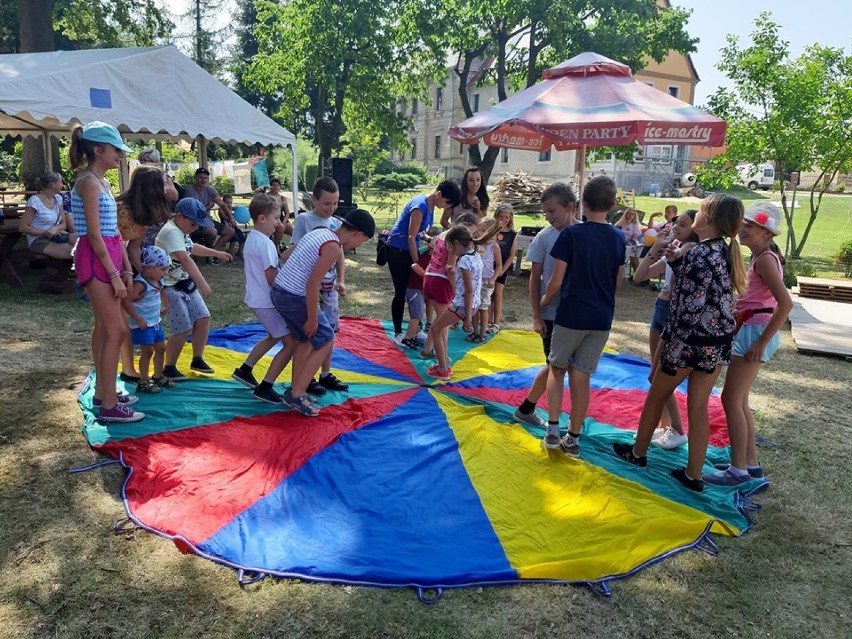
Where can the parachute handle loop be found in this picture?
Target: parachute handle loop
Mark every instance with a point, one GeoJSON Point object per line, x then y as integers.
{"type": "Point", "coordinates": [427, 599]}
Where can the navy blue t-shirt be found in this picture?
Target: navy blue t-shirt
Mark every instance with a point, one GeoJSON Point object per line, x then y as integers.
{"type": "Point", "coordinates": [594, 252]}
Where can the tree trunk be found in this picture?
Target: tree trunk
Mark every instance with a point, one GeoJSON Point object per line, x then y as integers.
{"type": "Point", "coordinates": [35, 18]}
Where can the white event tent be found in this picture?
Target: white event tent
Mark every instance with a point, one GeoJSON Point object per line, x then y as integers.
{"type": "Point", "coordinates": [153, 93]}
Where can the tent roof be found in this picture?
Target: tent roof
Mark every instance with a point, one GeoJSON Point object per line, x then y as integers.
{"type": "Point", "coordinates": [155, 91]}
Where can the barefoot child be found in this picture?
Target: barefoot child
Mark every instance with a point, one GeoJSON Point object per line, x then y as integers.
{"type": "Point", "coordinates": [760, 314]}
{"type": "Point", "coordinates": [589, 268]}
{"type": "Point", "coordinates": [186, 287]}
{"type": "Point", "coordinates": [295, 294]}
{"type": "Point", "coordinates": [145, 303]}
{"type": "Point", "coordinates": [699, 332]}
{"type": "Point", "coordinates": [261, 267]}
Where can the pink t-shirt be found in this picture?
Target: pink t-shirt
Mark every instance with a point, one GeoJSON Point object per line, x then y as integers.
{"type": "Point", "coordinates": [758, 295]}
{"type": "Point", "coordinates": [440, 253]}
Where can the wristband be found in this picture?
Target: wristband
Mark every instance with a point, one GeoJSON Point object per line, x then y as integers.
{"type": "Point", "coordinates": [115, 273]}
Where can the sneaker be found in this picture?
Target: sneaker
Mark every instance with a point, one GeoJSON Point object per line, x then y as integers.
{"type": "Point", "coordinates": [122, 398]}
{"type": "Point", "coordinates": [397, 339]}
{"type": "Point", "coordinates": [533, 419]}
{"type": "Point", "coordinates": [756, 472]}
{"type": "Point", "coordinates": [246, 379]}
{"type": "Point", "coordinates": [435, 371]}
{"type": "Point", "coordinates": [200, 366]}
{"type": "Point", "coordinates": [172, 373]}
{"type": "Point", "coordinates": [330, 382]}
{"type": "Point", "coordinates": [725, 478]}
{"type": "Point", "coordinates": [625, 451]}
{"type": "Point", "coordinates": [315, 388]}
{"type": "Point", "coordinates": [570, 445]}
{"type": "Point", "coordinates": [427, 354]}
{"type": "Point", "coordinates": [268, 395]}
{"type": "Point", "coordinates": [421, 337]}
{"type": "Point", "coordinates": [658, 432]}
{"type": "Point", "coordinates": [669, 439]}
{"type": "Point", "coordinates": [693, 484]}
{"type": "Point", "coordinates": [163, 382]}
{"type": "Point", "coordinates": [551, 441]}
{"type": "Point", "coordinates": [130, 379]}
{"type": "Point", "coordinates": [147, 386]}
{"type": "Point", "coordinates": [120, 413]}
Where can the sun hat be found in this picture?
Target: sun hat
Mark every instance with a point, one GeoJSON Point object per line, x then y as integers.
{"type": "Point", "coordinates": [154, 256]}
{"type": "Point", "coordinates": [194, 211]}
{"type": "Point", "coordinates": [103, 133]}
{"type": "Point", "coordinates": [360, 220]}
{"type": "Point", "coordinates": [764, 214]}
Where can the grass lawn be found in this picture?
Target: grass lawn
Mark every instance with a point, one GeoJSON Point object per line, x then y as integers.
{"type": "Point", "coordinates": [65, 574]}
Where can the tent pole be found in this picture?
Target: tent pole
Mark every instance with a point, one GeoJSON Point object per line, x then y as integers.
{"type": "Point", "coordinates": [201, 151]}
{"type": "Point", "coordinates": [48, 152]}
{"type": "Point", "coordinates": [582, 176]}
{"type": "Point", "coordinates": [295, 183]}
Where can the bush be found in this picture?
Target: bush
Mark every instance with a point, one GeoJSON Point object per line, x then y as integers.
{"type": "Point", "coordinates": [185, 176]}
{"type": "Point", "coordinates": [223, 185]}
{"type": "Point", "coordinates": [840, 188]}
{"type": "Point", "coordinates": [395, 181]}
{"type": "Point", "coordinates": [794, 268]}
{"type": "Point", "coordinates": [843, 257]}
{"type": "Point", "coordinates": [386, 167]}
{"type": "Point", "coordinates": [311, 174]}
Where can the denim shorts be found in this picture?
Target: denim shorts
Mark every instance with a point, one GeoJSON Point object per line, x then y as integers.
{"type": "Point", "coordinates": [748, 335]}
{"type": "Point", "coordinates": [416, 303]}
{"type": "Point", "coordinates": [294, 310]}
{"type": "Point", "coordinates": [661, 311]}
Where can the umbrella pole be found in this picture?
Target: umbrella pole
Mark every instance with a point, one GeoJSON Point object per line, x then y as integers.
{"type": "Point", "coordinates": [582, 178]}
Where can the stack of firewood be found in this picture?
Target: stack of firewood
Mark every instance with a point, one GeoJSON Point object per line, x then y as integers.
{"type": "Point", "coordinates": [521, 190]}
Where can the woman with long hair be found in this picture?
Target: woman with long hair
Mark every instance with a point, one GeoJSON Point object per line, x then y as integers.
{"type": "Point", "coordinates": [474, 198]}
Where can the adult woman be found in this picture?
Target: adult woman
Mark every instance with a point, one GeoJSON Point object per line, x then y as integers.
{"type": "Point", "coordinates": [629, 225]}
{"type": "Point", "coordinates": [474, 198]}
{"type": "Point", "coordinates": [403, 250]}
{"type": "Point", "coordinates": [146, 204]}
{"type": "Point", "coordinates": [507, 240]}
{"type": "Point", "coordinates": [44, 221]}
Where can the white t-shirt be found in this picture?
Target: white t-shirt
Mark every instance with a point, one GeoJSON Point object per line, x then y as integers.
{"type": "Point", "coordinates": [44, 217]}
{"type": "Point", "coordinates": [294, 275]}
{"type": "Point", "coordinates": [172, 240]}
{"type": "Point", "coordinates": [473, 263]}
{"type": "Point", "coordinates": [258, 254]}
{"type": "Point", "coordinates": [539, 253]}
{"type": "Point", "coordinates": [486, 253]}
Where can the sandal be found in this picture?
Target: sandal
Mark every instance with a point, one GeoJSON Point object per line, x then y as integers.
{"type": "Point", "coordinates": [163, 382]}
{"type": "Point", "coordinates": [427, 354]}
{"type": "Point", "coordinates": [476, 339]}
{"type": "Point", "coordinates": [301, 404]}
{"type": "Point", "coordinates": [493, 329]}
{"type": "Point", "coordinates": [471, 337]}
{"type": "Point", "coordinates": [147, 386]}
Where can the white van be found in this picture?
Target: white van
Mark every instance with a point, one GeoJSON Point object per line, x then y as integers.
{"type": "Point", "coordinates": [757, 176]}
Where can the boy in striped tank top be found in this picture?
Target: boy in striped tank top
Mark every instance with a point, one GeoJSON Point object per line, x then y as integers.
{"type": "Point", "coordinates": [145, 302]}
{"type": "Point", "coordinates": [295, 293]}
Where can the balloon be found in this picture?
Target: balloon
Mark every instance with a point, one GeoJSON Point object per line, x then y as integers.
{"type": "Point", "coordinates": [241, 215]}
{"type": "Point", "coordinates": [650, 237]}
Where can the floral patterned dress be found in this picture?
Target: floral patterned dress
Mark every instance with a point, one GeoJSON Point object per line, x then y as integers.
{"type": "Point", "coordinates": [700, 325]}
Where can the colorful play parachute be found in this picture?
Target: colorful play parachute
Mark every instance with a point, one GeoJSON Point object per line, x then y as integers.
{"type": "Point", "coordinates": [401, 482]}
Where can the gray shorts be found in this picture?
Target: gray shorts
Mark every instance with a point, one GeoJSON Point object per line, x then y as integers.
{"type": "Point", "coordinates": [416, 303]}
{"type": "Point", "coordinates": [485, 297]}
{"type": "Point", "coordinates": [272, 322]}
{"type": "Point", "coordinates": [184, 310]}
{"type": "Point", "coordinates": [330, 305]}
{"type": "Point", "coordinates": [577, 349]}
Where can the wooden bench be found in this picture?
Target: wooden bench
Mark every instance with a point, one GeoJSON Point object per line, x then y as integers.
{"type": "Point", "coordinates": [823, 289]}
{"type": "Point", "coordinates": [14, 252]}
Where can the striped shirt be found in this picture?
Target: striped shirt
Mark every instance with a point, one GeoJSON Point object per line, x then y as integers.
{"type": "Point", "coordinates": [107, 211]}
{"type": "Point", "coordinates": [148, 304]}
{"type": "Point", "coordinates": [294, 275]}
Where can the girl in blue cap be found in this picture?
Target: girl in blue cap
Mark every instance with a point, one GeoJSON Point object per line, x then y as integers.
{"type": "Point", "coordinates": [100, 260]}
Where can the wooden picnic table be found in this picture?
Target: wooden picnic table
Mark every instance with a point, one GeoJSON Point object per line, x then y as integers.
{"type": "Point", "coordinates": [56, 272]}
{"type": "Point", "coordinates": [9, 236]}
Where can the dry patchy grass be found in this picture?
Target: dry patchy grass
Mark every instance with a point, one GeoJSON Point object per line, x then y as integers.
{"type": "Point", "coordinates": [65, 574]}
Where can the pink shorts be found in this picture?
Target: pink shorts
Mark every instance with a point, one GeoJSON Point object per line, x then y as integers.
{"type": "Point", "coordinates": [437, 289]}
{"type": "Point", "coordinates": [88, 266]}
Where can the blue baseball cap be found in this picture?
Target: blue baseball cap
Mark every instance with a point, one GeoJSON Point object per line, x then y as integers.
{"type": "Point", "coordinates": [154, 256]}
{"type": "Point", "coordinates": [194, 210]}
{"type": "Point", "coordinates": [103, 133]}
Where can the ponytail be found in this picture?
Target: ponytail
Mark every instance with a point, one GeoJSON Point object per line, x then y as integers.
{"type": "Point", "coordinates": [774, 248]}
{"type": "Point", "coordinates": [80, 152]}
{"type": "Point", "coordinates": [736, 267]}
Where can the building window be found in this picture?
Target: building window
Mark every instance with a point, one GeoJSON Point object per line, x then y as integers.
{"type": "Point", "coordinates": [544, 156]}
{"type": "Point", "coordinates": [674, 91]}
{"type": "Point", "coordinates": [439, 98]}
{"type": "Point", "coordinates": [414, 106]}
{"type": "Point", "coordinates": [609, 155]}
{"type": "Point", "coordinates": [504, 156]}
{"type": "Point", "coordinates": [414, 149]}
{"type": "Point", "coordinates": [476, 103]}
{"type": "Point", "coordinates": [437, 147]}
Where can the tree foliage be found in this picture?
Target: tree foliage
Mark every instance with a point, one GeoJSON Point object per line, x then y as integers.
{"type": "Point", "coordinates": [796, 113]}
{"type": "Point", "coordinates": [524, 37]}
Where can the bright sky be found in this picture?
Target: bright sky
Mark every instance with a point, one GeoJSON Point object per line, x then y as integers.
{"type": "Point", "coordinates": [802, 22]}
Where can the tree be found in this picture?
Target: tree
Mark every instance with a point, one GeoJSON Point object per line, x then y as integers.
{"type": "Point", "coordinates": [524, 37]}
{"type": "Point", "coordinates": [324, 55]}
{"type": "Point", "coordinates": [795, 113]}
{"type": "Point", "coordinates": [206, 41]}
{"type": "Point", "coordinates": [244, 53]}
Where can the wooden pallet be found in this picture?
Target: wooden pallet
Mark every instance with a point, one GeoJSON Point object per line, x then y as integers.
{"type": "Point", "coordinates": [822, 289]}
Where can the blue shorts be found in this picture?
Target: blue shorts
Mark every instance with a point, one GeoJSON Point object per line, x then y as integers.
{"type": "Point", "coordinates": [748, 335]}
{"type": "Point", "coordinates": [294, 310]}
{"type": "Point", "coordinates": [148, 336]}
{"type": "Point", "coordinates": [661, 312]}
{"type": "Point", "coordinates": [416, 303]}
